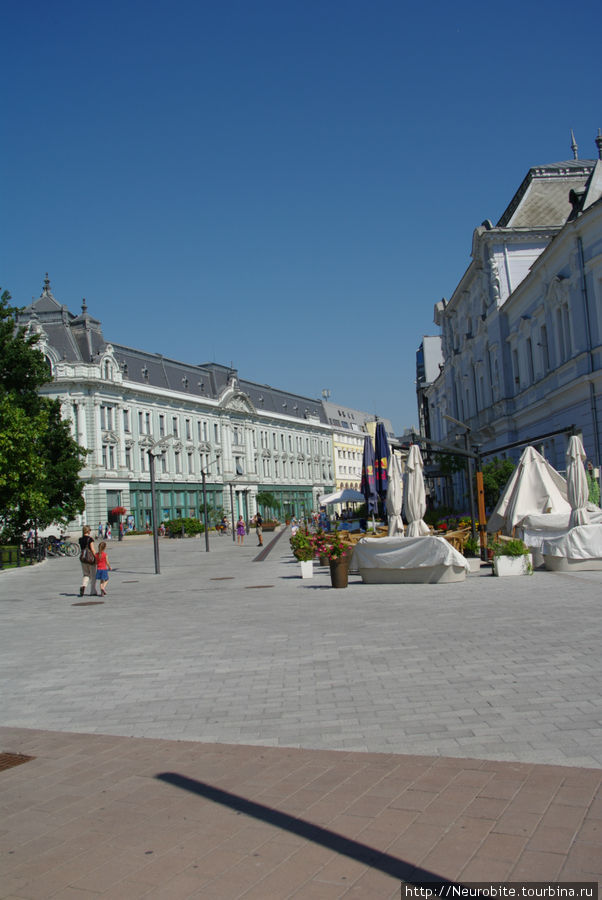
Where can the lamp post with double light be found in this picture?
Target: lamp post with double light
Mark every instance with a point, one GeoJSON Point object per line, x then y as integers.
{"type": "Point", "coordinates": [156, 449]}
{"type": "Point", "coordinates": [479, 477]}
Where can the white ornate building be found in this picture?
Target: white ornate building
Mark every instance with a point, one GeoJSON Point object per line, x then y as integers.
{"type": "Point", "coordinates": [122, 402]}
{"type": "Point", "coordinates": [522, 332]}
{"type": "Point", "coordinates": [349, 428]}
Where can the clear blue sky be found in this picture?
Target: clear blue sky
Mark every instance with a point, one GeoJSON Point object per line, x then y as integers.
{"type": "Point", "coordinates": [286, 186]}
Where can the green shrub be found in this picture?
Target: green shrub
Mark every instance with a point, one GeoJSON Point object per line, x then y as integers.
{"type": "Point", "coordinates": [189, 525]}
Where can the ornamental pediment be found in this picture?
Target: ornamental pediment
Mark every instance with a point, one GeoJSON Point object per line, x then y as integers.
{"type": "Point", "coordinates": [233, 398]}
{"type": "Point", "coordinates": [109, 437]}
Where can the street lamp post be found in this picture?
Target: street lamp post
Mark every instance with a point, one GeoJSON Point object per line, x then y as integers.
{"type": "Point", "coordinates": [157, 448]}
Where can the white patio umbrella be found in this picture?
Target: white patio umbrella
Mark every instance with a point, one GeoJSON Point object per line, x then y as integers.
{"type": "Point", "coordinates": [415, 495]}
{"type": "Point", "coordinates": [576, 482]}
{"type": "Point", "coordinates": [394, 498]}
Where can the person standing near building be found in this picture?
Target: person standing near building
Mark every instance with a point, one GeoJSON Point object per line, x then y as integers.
{"type": "Point", "coordinates": [259, 529]}
{"type": "Point", "coordinates": [87, 559]}
{"type": "Point", "coordinates": [241, 530]}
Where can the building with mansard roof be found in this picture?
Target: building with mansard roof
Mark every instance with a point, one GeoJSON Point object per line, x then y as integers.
{"type": "Point", "coordinates": [127, 405]}
{"type": "Point", "coordinates": [522, 332]}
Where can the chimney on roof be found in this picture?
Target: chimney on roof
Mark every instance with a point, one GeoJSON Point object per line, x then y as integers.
{"type": "Point", "coordinates": [574, 146]}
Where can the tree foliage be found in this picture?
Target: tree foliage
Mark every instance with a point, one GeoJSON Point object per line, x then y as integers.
{"type": "Point", "coordinates": [39, 460]}
{"type": "Point", "coordinates": [495, 477]}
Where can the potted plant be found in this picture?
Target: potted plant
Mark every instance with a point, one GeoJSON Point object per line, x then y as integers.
{"type": "Point", "coordinates": [472, 552]}
{"type": "Point", "coordinates": [320, 540]}
{"type": "Point", "coordinates": [302, 546]}
{"type": "Point", "coordinates": [338, 551]}
{"type": "Point", "coordinates": [511, 558]}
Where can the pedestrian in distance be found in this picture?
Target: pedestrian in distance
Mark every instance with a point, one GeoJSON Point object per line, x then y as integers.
{"type": "Point", "coordinates": [102, 568]}
{"type": "Point", "coordinates": [259, 529]}
{"type": "Point", "coordinates": [87, 559]}
{"type": "Point", "coordinates": [241, 530]}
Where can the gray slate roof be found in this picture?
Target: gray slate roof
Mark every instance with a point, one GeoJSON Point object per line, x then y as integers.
{"type": "Point", "coordinates": [80, 339]}
{"type": "Point", "coordinates": [542, 200]}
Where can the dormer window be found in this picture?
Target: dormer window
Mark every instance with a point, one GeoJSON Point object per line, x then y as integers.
{"type": "Point", "coordinates": [185, 383]}
{"type": "Point", "coordinates": [145, 373]}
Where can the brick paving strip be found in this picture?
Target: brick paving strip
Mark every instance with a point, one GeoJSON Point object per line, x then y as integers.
{"type": "Point", "coordinates": [117, 817]}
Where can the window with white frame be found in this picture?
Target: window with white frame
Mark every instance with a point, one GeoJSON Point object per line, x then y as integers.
{"type": "Point", "coordinates": [178, 462]}
{"type": "Point", "coordinates": [107, 417]}
{"type": "Point", "coordinates": [128, 457]}
{"type": "Point", "coordinates": [188, 427]}
{"type": "Point", "coordinates": [108, 456]}
{"type": "Point", "coordinates": [127, 425]}
{"type": "Point", "coordinates": [143, 460]}
{"type": "Point", "coordinates": [175, 426]}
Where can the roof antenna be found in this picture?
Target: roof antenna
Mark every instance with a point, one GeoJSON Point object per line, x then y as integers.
{"type": "Point", "coordinates": [599, 143]}
{"type": "Point", "coordinates": [574, 146]}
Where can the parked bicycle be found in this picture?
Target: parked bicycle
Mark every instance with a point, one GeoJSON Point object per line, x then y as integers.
{"type": "Point", "coordinates": [60, 547]}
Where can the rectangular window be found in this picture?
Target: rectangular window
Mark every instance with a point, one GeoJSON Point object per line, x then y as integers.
{"type": "Point", "coordinates": [545, 352]}
{"type": "Point", "coordinates": [128, 457]}
{"type": "Point", "coordinates": [161, 425]}
{"type": "Point", "coordinates": [163, 463]}
{"type": "Point", "coordinates": [205, 432]}
{"type": "Point", "coordinates": [188, 430]}
{"type": "Point", "coordinates": [216, 432]}
{"type": "Point", "coordinates": [107, 421]}
{"type": "Point", "coordinates": [174, 427]}
{"type": "Point", "coordinates": [126, 421]}
{"type": "Point", "coordinates": [190, 464]}
{"type": "Point", "coordinates": [143, 459]}
{"type": "Point", "coordinates": [274, 440]}
{"type": "Point", "coordinates": [178, 461]}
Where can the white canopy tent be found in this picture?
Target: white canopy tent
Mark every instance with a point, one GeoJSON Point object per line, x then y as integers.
{"type": "Point", "coordinates": [535, 488]}
{"type": "Point", "coordinates": [347, 495]}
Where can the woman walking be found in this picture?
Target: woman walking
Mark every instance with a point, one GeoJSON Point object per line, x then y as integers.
{"type": "Point", "coordinates": [241, 530]}
{"type": "Point", "coordinates": [87, 559]}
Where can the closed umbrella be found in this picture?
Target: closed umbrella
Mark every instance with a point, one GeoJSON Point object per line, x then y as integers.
{"type": "Point", "coordinates": [394, 498]}
{"type": "Point", "coordinates": [576, 482]}
{"type": "Point", "coordinates": [368, 483]}
{"type": "Point", "coordinates": [382, 454]}
{"type": "Point", "coordinates": [415, 495]}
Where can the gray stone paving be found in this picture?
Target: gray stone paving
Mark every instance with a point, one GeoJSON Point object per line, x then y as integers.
{"type": "Point", "coordinates": [491, 668]}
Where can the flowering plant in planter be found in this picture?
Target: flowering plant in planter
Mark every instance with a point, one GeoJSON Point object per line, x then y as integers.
{"type": "Point", "coordinates": [302, 546]}
{"type": "Point", "coordinates": [335, 547]}
{"type": "Point", "coordinates": [117, 511]}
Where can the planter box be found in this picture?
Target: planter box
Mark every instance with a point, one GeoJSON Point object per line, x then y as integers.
{"type": "Point", "coordinates": [512, 565]}
{"type": "Point", "coordinates": [307, 568]}
{"type": "Point", "coordinates": [475, 564]}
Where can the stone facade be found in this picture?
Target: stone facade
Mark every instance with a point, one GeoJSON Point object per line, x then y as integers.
{"type": "Point", "coordinates": [124, 403]}
{"type": "Point", "coordinates": [522, 332]}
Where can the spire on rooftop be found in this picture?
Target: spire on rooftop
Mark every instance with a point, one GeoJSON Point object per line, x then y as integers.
{"type": "Point", "coordinates": [84, 306]}
{"type": "Point", "coordinates": [574, 146]}
{"type": "Point", "coordinates": [46, 288]}
{"type": "Point", "coordinates": [599, 143]}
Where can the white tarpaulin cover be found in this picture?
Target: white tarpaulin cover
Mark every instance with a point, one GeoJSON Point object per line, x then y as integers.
{"type": "Point", "coordinates": [394, 498]}
{"type": "Point", "coordinates": [582, 542]}
{"type": "Point", "coordinates": [534, 530]}
{"type": "Point", "coordinates": [414, 494]}
{"type": "Point", "coordinates": [534, 488]}
{"type": "Point", "coordinates": [406, 553]}
{"type": "Point", "coordinates": [345, 496]}
{"type": "Point", "coordinates": [576, 482]}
